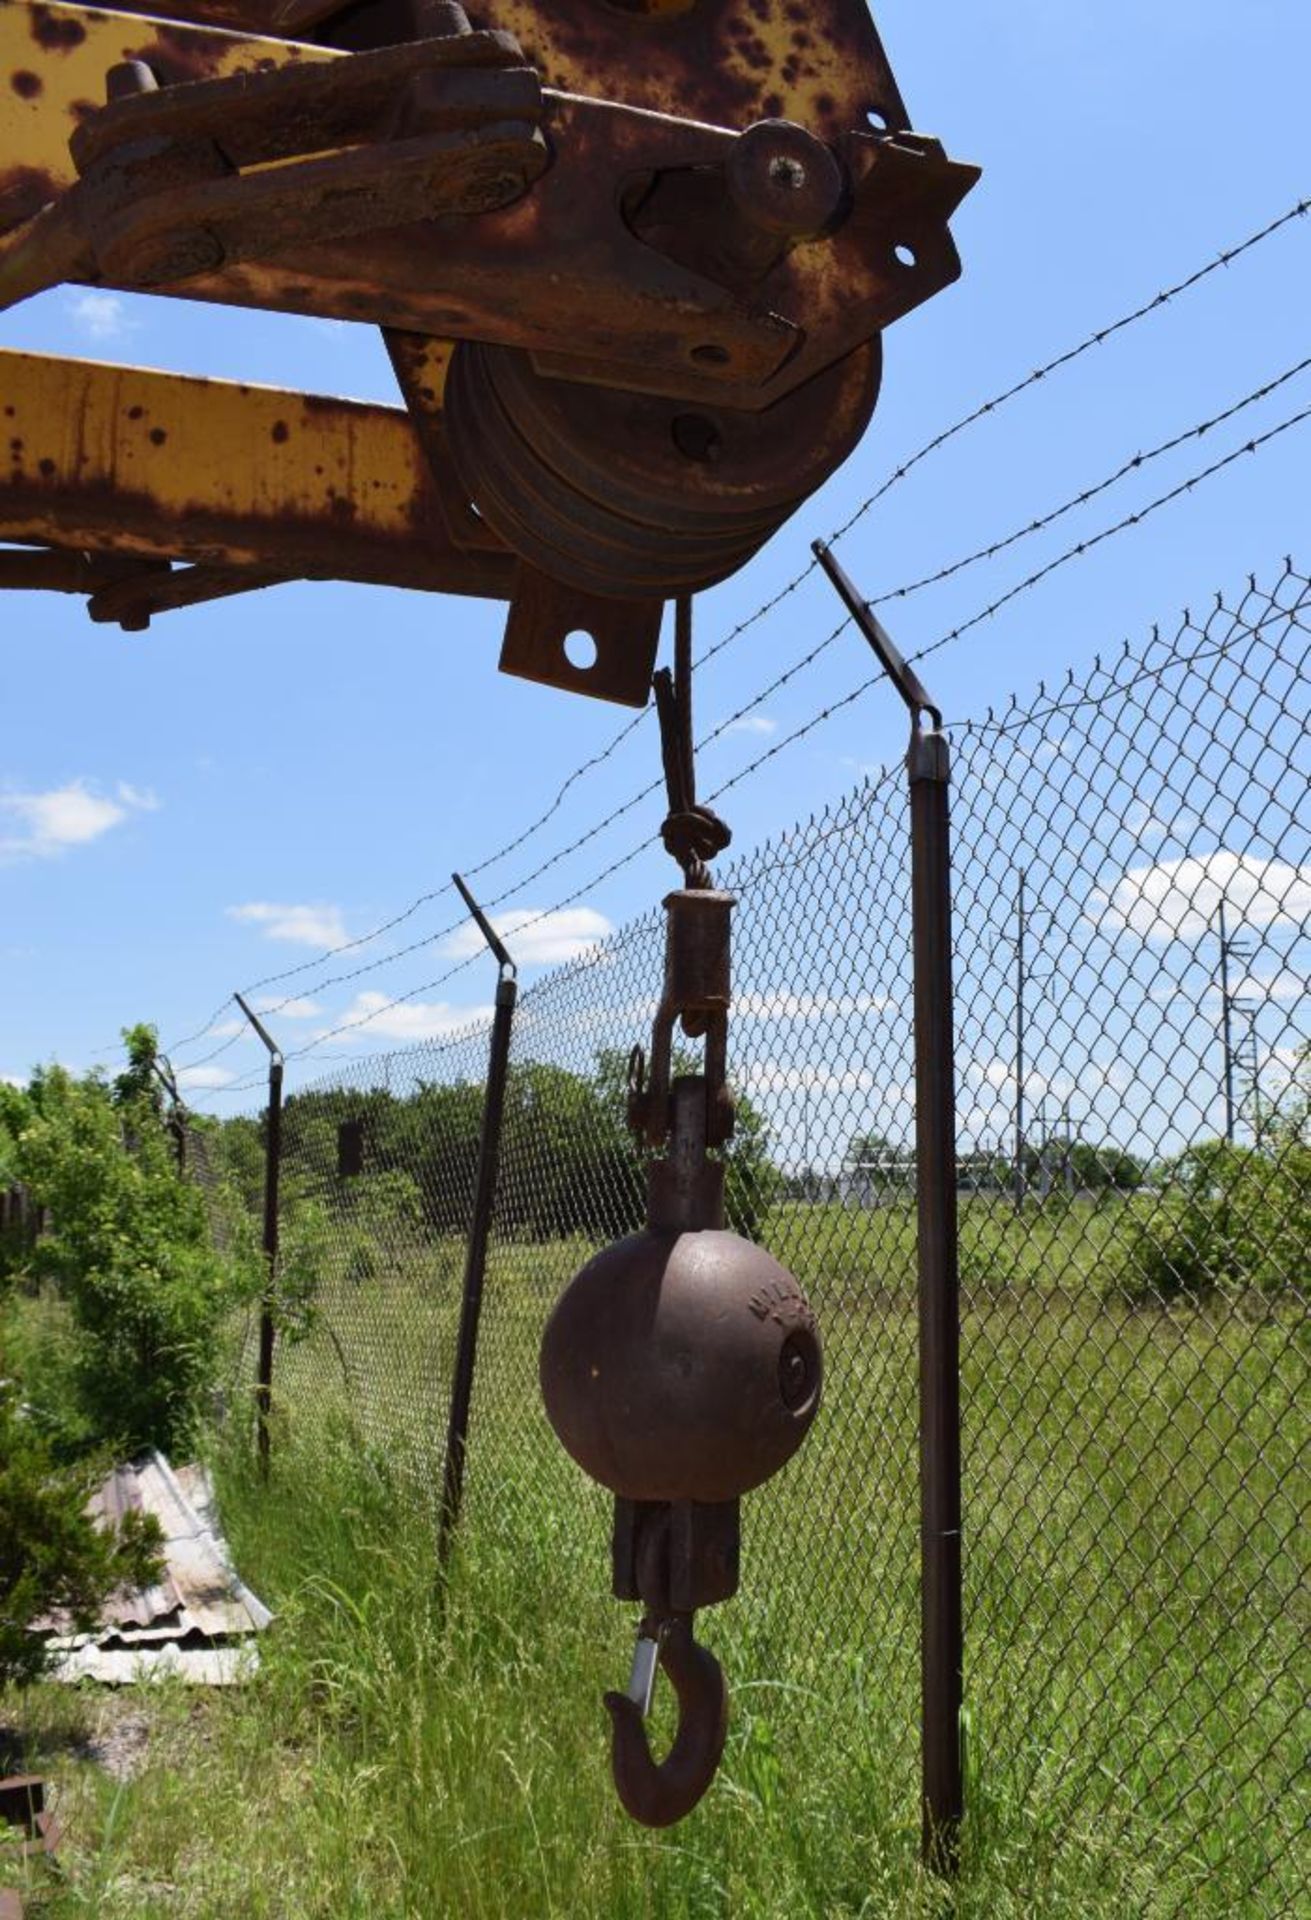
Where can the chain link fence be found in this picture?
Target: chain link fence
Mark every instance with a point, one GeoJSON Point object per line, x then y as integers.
{"type": "Point", "coordinates": [1132, 877]}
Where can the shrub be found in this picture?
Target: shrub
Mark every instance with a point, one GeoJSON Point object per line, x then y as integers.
{"type": "Point", "coordinates": [51, 1555]}
{"type": "Point", "coordinates": [130, 1252]}
{"type": "Point", "coordinates": [1232, 1216]}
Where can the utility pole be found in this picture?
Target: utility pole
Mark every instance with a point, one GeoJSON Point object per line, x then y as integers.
{"type": "Point", "coordinates": [1024, 979]}
{"type": "Point", "coordinates": [1229, 948]}
{"type": "Point", "coordinates": [1226, 1028]}
{"type": "Point", "coordinates": [1067, 1147]}
{"type": "Point", "coordinates": [808, 1183]}
{"type": "Point", "coordinates": [1247, 1058]}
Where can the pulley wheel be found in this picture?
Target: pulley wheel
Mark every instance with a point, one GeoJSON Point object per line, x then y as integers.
{"type": "Point", "coordinates": [627, 494]}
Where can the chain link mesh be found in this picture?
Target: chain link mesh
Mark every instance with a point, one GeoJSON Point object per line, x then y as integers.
{"type": "Point", "coordinates": [1132, 881]}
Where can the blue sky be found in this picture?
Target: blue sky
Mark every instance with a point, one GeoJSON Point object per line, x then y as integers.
{"type": "Point", "coordinates": [246, 785]}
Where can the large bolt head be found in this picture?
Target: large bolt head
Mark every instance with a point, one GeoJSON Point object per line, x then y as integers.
{"type": "Point", "coordinates": [681, 1366]}
{"type": "Point", "coordinates": [783, 180]}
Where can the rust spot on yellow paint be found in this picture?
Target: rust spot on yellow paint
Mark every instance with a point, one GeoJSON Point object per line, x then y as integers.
{"type": "Point", "coordinates": [57, 29]}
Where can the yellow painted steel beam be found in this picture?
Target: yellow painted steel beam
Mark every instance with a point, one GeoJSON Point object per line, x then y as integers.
{"type": "Point", "coordinates": [118, 460]}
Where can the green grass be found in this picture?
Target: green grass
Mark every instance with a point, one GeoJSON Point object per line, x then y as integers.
{"type": "Point", "coordinates": [1135, 1626]}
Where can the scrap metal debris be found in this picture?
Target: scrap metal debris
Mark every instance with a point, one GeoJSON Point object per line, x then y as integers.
{"type": "Point", "coordinates": [23, 1805]}
{"type": "Point", "coordinates": [197, 1622]}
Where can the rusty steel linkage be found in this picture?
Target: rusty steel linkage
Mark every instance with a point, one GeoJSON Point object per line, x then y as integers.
{"type": "Point", "coordinates": [632, 266]}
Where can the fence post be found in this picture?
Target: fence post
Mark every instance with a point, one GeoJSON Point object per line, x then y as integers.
{"type": "Point", "coordinates": [272, 1164]}
{"type": "Point", "coordinates": [475, 1264]}
{"type": "Point", "coordinates": [941, 1609]}
{"type": "Point", "coordinates": [177, 1116]}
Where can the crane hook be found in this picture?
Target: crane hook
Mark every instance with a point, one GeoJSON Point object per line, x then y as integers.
{"type": "Point", "coordinates": [660, 1795]}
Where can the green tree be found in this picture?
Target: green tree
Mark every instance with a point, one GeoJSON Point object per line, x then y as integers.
{"type": "Point", "coordinates": [883, 1167]}
{"type": "Point", "coordinates": [568, 1165]}
{"type": "Point", "coordinates": [51, 1556]}
{"type": "Point", "coordinates": [130, 1251]}
{"type": "Point", "coordinates": [1233, 1216]}
{"type": "Point", "coordinates": [1096, 1168]}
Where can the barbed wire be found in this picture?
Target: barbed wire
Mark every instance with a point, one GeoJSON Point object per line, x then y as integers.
{"type": "Point", "coordinates": [1278, 616]}
{"type": "Point", "coordinates": [482, 866]}
{"type": "Point", "coordinates": [1120, 526]}
{"type": "Point", "coordinates": [985, 409]}
{"type": "Point", "coordinates": [798, 666]}
{"type": "Point", "coordinates": [1089, 494]}
{"type": "Point", "coordinates": [1075, 551]}
{"type": "Point", "coordinates": [1226, 259]}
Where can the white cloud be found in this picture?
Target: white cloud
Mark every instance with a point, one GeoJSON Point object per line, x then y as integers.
{"type": "Point", "coordinates": [44, 825]}
{"type": "Point", "coordinates": [338, 330]}
{"type": "Point", "coordinates": [1143, 824]}
{"type": "Point", "coordinates": [1000, 1074]}
{"type": "Point", "coordinates": [10, 1080]}
{"type": "Point", "coordinates": [752, 723]}
{"type": "Point", "coordinates": [1180, 899]}
{"type": "Point", "coordinates": [102, 316]}
{"type": "Point", "coordinates": [287, 1009]}
{"type": "Point", "coordinates": [535, 939]}
{"type": "Point", "coordinates": [226, 1029]}
{"type": "Point", "coordinates": [410, 1019]}
{"type": "Point", "coordinates": [204, 1077]}
{"type": "Point", "coordinates": [140, 799]}
{"type": "Point", "coordinates": [309, 926]}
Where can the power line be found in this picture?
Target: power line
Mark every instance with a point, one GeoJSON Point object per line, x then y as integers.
{"type": "Point", "coordinates": [980, 412]}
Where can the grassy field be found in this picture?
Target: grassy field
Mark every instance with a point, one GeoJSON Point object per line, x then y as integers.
{"type": "Point", "coordinates": [1136, 1618]}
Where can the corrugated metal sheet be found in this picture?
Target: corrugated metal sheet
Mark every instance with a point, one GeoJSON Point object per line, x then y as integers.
{"type": "Point", "coordinates": [197, 1621]}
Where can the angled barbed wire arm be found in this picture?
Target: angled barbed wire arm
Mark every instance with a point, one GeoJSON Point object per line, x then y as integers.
{"type": "Point", "coordinates": [484, 1200]}
{"type": "Point", "coordinates": [272, 1169]}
